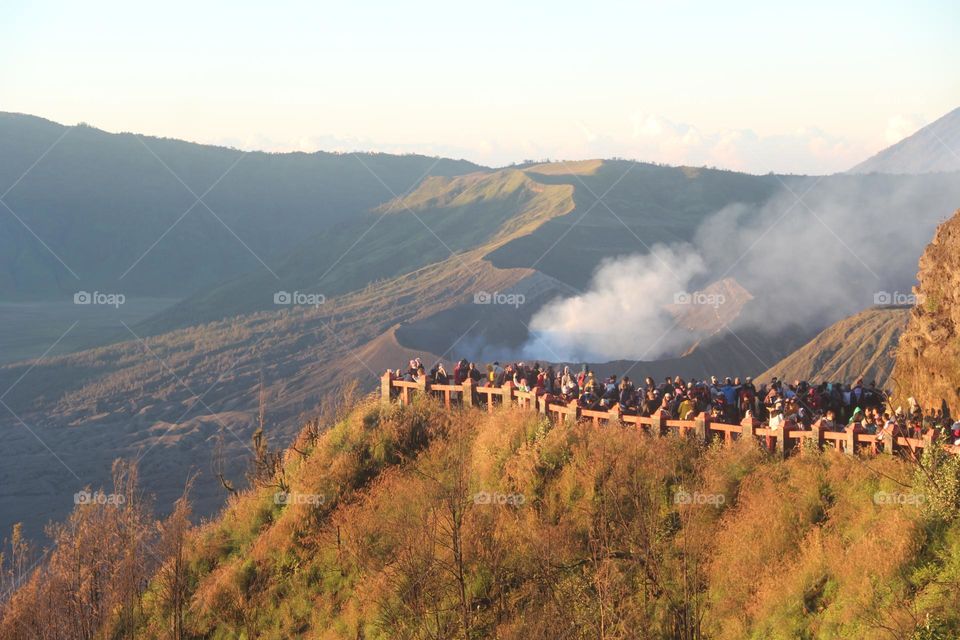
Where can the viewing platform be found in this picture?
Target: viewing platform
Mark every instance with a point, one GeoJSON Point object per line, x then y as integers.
{"type": "Point", "coordinates": [777, 441]}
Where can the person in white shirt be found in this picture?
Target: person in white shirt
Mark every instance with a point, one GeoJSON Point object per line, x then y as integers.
{"type": "Point", "coordinates": [776, 418]}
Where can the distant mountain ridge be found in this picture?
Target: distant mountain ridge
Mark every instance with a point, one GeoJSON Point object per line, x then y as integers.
{"type": "Point", "coordinates": [91, 210]}
{"type": "Point", "coordinates": [934, 148]}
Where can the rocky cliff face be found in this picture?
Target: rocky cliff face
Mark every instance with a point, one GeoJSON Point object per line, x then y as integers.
{"type": "Point", "coordinates": [928, 359]}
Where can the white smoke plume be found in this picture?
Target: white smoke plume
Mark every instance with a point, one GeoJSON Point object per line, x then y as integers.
{"type": "Point", "coordinates": [624, 311]}
{"type": "Point", "coordinates": [820, 250]}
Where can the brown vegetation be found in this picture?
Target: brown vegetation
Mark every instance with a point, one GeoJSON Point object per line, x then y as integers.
{"type": "Point", "coordinates": [928, 360]}
{"type": "Point", "coordinates": [416, 522]}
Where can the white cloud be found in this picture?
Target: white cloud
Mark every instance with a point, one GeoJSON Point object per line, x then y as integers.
{"type": "Point", "coordinates": [642, 136]}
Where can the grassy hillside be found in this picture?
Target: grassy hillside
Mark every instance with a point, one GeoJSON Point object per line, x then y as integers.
{"type": "Point", "coordinates": [864, 344]}
{"type": "Point", "coordinates": [180, 397]}
{"type": "Point", "coordinates": [415, 523]}
{"type": "Point", "coordinates": [99, 201]}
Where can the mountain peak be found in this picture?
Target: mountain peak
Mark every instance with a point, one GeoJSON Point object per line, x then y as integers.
{"type": "Point", "coordinates": [933, 149]}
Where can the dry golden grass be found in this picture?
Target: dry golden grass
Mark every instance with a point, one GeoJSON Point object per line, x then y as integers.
{"type": "Point", "coordinates": [583, 535]}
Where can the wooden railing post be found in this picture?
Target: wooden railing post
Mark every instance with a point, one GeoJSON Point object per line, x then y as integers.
{"type": "Point", "coordinates": [890, 440]}
{"type": "Point", "coordinates": [615, 414]}
{"type": "Point", "coordinates": [573, 411]}
{"type": "Point", "coordinates": [850, 442]}
{"type": "Point", "coordinates": [748, 424]}
{"type": "Point", "coordinates": [702, 427]}
{"type": "Point", "coordinates": [817, 435]}
{"type": "Point", "coordinates": [929, 439]}
{"type": "Point", "coordinates": [541, 404]}
{"type": "Point", "coordinates": [386, 387]}
{"type": "Point", "coordinates": [506, 393]}
{"type": "Point", "coordinates": [661, 423]}
{"type": "Point", "coordinates": [422, 386]}
{"type": "Point", "coordinates": [468, 392]}
{"type": "Point", "coordinates": [783, 437]}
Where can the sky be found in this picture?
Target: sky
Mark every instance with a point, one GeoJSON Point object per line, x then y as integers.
{"type": "Point", "coordinates": [811, 87]}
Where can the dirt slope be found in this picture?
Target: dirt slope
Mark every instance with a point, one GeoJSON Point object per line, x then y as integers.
{"type": "Point", "coordinates": [928, 361]}
{"type": "Point", "coordinates": [861, 345]}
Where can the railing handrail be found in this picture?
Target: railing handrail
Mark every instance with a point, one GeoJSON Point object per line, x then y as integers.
{"type": "Point", "coordinates": [776, 439]}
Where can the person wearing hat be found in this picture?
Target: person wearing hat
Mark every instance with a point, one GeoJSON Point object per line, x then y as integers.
{"type": "Point", "coordinates": [856, 422]}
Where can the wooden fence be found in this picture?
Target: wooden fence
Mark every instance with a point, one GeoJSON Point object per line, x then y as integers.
{"type": "Point", "coordinates": [780, 441]}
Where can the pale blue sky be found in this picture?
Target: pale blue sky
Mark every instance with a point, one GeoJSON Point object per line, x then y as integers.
{"type": "Point", "coordinates": [811, 87]}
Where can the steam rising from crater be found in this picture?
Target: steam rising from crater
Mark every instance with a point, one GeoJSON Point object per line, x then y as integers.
{"type": "Point", "coordinates": [820, 250]}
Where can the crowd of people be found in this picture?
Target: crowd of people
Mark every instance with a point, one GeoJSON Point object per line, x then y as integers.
{"type": "Point", "coordinates": [833, 406]}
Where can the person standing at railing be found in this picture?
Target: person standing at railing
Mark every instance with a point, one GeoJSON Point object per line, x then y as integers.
{"type": "Point", "coordinates": [827, 422]}
{"type": "Point", "coordinates": [666, 407]}
{"type": "Point", "coordinates": [588, 400]}
{"type": "Point", "coordinates": [700, 394]}
{"type": "Point", "coordinates": [549, 381]}
{"type": "Point", "coordinates": [420, 374]}
{"type": "Point", "coordinates": [777, 419]}
{"type": "Point", "coordinates": [473, 373]}
{"type": "Point", "coordinates": [438, 375]}
{"type": "Point", "coordinates": [626, 395]}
